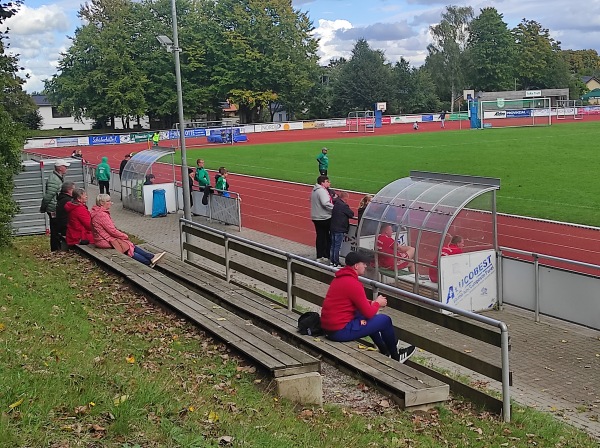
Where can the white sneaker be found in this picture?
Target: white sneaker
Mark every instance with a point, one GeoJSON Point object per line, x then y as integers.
{"type": "Point", "coordinates": [156, 258]}
{"type": "Point", "coordinates": [406, 353]}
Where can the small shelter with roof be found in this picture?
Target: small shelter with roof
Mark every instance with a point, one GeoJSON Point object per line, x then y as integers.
{"type": "Point", "coordinates": [592, 97]}
{"type": "Point", "coordinates": [419, 215]}
{"type": "Point", "coordinates": [136, 188]}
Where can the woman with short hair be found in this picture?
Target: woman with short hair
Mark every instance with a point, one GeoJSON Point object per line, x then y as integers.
{"type": "Point", "coordinates": [106, 235]}
{"type": "Point", "coordinates": [79, 225]}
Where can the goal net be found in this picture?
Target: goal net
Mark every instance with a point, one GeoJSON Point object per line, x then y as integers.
{"type": "Point", "coordinates": [361, 121]}
{"type": "Point", "coordinates": [503, 113]}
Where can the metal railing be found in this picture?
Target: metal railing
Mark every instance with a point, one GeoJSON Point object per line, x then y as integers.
{"type": "Point", "coordinates": [574, 276]}
{"type": "Point", "coordinates": [291, 260]}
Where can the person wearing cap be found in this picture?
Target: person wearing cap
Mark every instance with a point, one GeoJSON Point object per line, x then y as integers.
{"type": "Point", "coordinates": [347, 314]}
{"type": "Point", "coordinates": [53, 185]}
{"type": "Point", "coordinates": [323, 162]}
{"type": "Point", "coordinates": [103, 175]}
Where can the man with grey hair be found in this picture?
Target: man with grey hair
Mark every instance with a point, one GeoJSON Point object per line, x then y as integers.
{"type": "Point", "coordinates": [62, 217]}
{"type": "Point", "coordinates": [50, 199]}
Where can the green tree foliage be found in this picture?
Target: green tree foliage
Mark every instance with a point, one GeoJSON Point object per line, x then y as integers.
{"type": "Point", "coordinates": [14, 105]}
{"type": "Point", "coordinates": [582, 62]}
{"type": "Point", "coordinates": [263, 52]}
{"type": "Point", "coordinates": [492, 52]}
{"type": "Point", "coordinates": [414, 90]}
{"type": "Point", "coordinates": [364, 80]}
{"type": "Point", "coordinates": [319, 99]}
{"type": "Point", "coordinates": [539, 63]}
{"type": "Point", "coordinates": [98, 77]}
{"type": "Point", "coordinates": [447, 60]}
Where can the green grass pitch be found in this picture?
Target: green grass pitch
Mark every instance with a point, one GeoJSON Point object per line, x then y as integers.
{"type": "Point", "coordinates": [546, 172]}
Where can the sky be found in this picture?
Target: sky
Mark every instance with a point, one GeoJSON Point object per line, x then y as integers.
{"type": "Point", "coordinates": [39, 31]}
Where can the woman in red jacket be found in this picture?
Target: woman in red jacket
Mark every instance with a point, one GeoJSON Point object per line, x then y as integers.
{"type": "Point", "coordinates": [347, 314]}
{"type": "Point", "coordinates": [79, 225]}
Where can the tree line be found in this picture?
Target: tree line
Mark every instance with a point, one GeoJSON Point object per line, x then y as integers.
{"type": "Point", "coordinates": [261, 55]}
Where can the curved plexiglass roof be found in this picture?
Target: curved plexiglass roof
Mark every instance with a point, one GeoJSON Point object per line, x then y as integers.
{"type": "Point", "coordinates": [141, 163]}
{"type": "Point", "coordinates": [426, 208]}
{"type": "Point", "coordinates": [134, 176]}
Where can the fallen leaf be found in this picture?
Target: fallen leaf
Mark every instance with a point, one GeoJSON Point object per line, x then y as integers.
{"type": "Point", "coordinates": [2, 327]}
{"type": "Point", "coordinates": [225, 440]}
{"type": "Point", "coordinates": [120, 399]}
{"type": "Point", "coordinates": [130, 359]}
{"type": "Point", "coordinates": [16, 404]}
{"type": "Point", "coordinates": [468, 351]}
{"type": "Point", "coordinates": [564, 341]}
{"type": "Point", "coordinates": [213, 417]}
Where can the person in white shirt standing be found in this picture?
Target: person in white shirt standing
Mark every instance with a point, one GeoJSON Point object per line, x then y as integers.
{"type": "Point", "coordinates": [321, 207]}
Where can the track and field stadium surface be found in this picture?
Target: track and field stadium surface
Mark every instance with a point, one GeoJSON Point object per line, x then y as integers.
{"type": "Point", "coordinates": [283, 208]}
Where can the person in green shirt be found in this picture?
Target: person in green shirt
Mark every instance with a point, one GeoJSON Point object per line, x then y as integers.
{"type": "Point", "coordinates": [222, 183]}
{"type": "Point", "coordinates": [155, 138]}
{"type": "Point", "coordinates": [103, 176]}
{"type": "Point", "coordinates": [323, 162]}
{"type": "Point", "coordinates": [203, 180]}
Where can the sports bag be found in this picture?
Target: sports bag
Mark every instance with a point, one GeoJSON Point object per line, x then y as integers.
{"type": "Point", "coordinates": [310, 323]}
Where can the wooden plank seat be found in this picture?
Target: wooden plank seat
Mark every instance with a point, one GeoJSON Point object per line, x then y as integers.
{"type": "Point", "coordinates": [406, 281]}
{"type": "Point", "coordinates": [278, 357]}
{"type": "Point", "coordinates": [409, 387]}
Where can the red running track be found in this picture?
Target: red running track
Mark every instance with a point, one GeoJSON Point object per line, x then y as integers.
{"type": "Point", "coordinates": [283, 209]}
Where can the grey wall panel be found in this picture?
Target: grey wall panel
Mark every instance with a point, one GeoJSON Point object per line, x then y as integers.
{"type": "Point", "coordinates": [563, 294]}
{"type": "Point", "coordinates": [518, 286]}
{"type": "Point", "coordinates": [570, 296]}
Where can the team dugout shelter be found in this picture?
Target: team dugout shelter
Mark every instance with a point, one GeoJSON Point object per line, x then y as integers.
{"type": "Point", "coordinates": [136, 195]}
{"type": "Point", "coordinates": [425, 211]}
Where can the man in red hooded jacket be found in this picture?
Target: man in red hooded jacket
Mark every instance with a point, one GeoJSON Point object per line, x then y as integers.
{"type": "Point", "coordinates": [348, 315]}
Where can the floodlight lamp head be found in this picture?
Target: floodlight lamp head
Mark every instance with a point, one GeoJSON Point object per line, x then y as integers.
{"type": "Point", "coordinates": [166, 42]}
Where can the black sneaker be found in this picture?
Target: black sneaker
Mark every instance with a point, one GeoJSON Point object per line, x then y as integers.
{"type": "Point", "coordinates": [406, 353]}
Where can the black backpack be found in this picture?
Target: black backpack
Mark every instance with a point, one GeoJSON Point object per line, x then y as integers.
{"type": "Point", "coordinates": [310, 323]}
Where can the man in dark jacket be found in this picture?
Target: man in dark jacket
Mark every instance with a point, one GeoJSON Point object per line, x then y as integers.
{"type": "Point", "coordinates": [340, 224]}
{"type": "Point", "coordinates": [53, 186]}
{"type": "Point", "coordinates": [62, 217]}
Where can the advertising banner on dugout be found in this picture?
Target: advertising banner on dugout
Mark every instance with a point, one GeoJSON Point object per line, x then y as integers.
{"type": "Point", "coordinates": [468, 281]}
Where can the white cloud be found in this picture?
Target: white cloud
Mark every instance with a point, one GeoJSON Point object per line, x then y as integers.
{"type": "Point", "coordinates": [37, 35]}
{"type": "Point", "coordinates": [32, 21]}
{"type": "Point", "coordinates": [329, 47]}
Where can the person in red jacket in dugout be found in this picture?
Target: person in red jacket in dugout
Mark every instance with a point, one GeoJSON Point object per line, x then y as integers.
{"type": "Point", "coordinates": [348, 315]}
{"type": "Point", "coordinates": [454, 248]}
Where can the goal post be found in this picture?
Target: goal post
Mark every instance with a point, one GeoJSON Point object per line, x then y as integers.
{"type": "Point", "coordinates": [515, 113]}
{"type": "Point", "coordinates": [361, 121]}
{"type": "Point", "coordinates": [568, 109]}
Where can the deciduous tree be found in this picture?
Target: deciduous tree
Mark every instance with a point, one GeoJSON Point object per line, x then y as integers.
{"type": "Point", "coordinates": [12, 133]}
{"type": "Point", "coordinates": [447, 60]}
{"type": "Point", "coordinates": [492, 52]}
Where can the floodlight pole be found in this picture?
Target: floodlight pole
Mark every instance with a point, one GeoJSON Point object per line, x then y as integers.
{"type": "Point", "coordinates": [184, 168]}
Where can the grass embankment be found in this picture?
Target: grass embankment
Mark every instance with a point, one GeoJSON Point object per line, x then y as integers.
{"type": "Point", "coordinates": [86, 361]}
{"type": "Point", "coordinates": [546, 172]}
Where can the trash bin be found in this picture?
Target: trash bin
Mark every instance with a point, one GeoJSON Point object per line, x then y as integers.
{"type": "Point", "coordinates": [159, 203]}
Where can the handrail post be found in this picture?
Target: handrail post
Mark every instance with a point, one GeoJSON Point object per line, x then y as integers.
{"type": "Point", "coordinates": [536, 267]}
{"type": "Point", "coordinates": [227, 270]}
{"type": "Point", "coordinates": [500, 279]}
{"type": "Point", "coordinates": [181, 237]}
{"type": "Point", "coordinates": [290, 282]}
{"type": "Point", "coordinates": [504, 346]}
